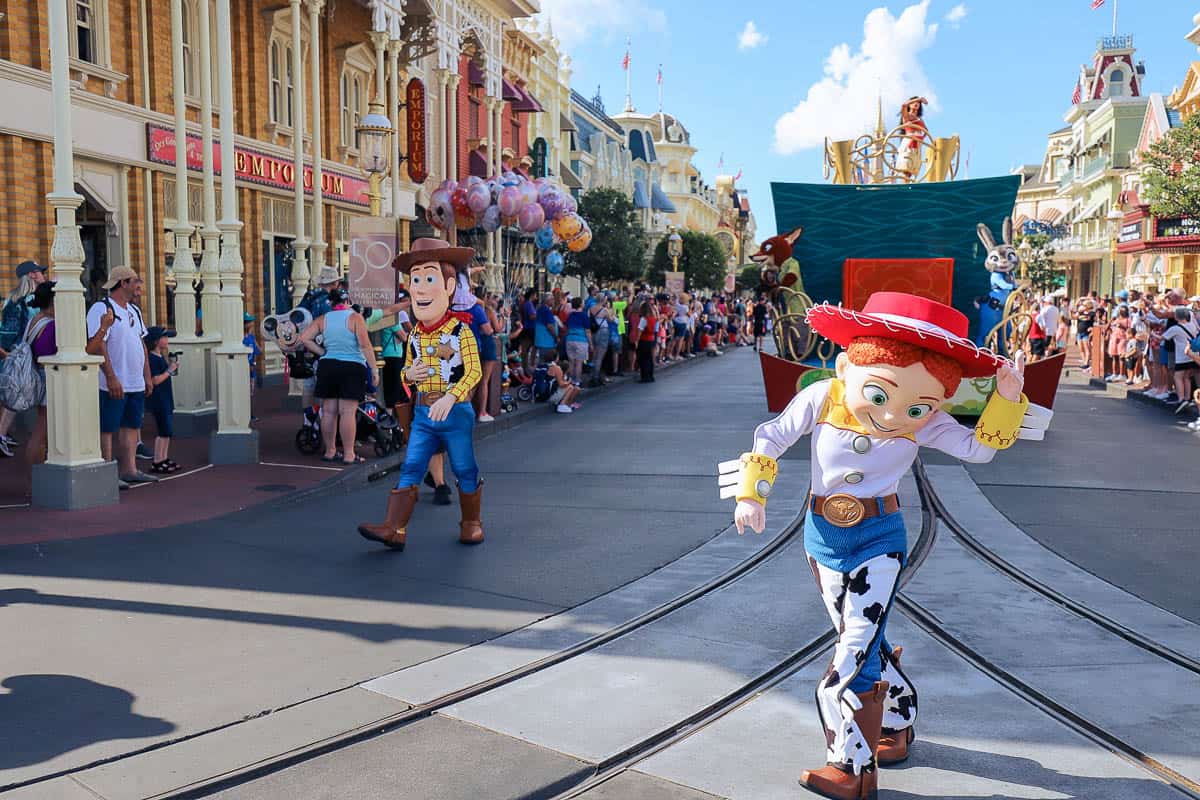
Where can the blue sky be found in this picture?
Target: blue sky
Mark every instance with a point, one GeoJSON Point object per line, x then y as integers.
{"type": "Point", "coordinates": [1000, 73]}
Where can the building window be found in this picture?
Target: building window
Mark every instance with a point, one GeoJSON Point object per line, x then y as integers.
{"type": "Point", "coordinates": [290, 88]}
{"type": "Point", "coordinates": [356, 110]}
{"type": "Point", "coordinates": [186, 33]}
{"type": "Point", "coordinates": [85, 31]}
{"type": "Point", "coordinates": [347, 130]}
{"type": "Point", "coordinates": [473, 118]}
{"type": "Point", "coordinates": [1116, 83]}
{"type": "Point", "coordinates": [276, 85]}
{"type": "Point", "coordinates": [357, 63]}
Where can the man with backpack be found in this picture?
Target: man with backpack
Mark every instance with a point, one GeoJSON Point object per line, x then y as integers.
{"type": "Point", "coordinates": [14, 318]}
{"type": "Point", "coordinates": [116, 331]}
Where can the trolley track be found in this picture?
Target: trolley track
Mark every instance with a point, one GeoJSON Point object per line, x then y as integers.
{"type": "Point", "coordinates": [930, 498]}
{"type": "Point", "coordinates": [789, 534]}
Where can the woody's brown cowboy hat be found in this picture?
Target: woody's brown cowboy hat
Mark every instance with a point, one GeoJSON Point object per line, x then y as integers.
{"type": "Point", "coordinates": [434, 250]}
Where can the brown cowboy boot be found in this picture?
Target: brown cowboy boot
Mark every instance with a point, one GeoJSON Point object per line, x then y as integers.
{"type": "Point", "coordinates": [840, 783]}
{"type": "Point", "coordinates": [393, 529]}
{"type": "Point", "coordinates": [404, 417]}
{"type": "Point", "coordinates": [470, 527]}
{"type": "Point", "coordinates": [893, 745]}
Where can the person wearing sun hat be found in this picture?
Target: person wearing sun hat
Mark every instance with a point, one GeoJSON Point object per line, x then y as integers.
{"type": "Point", "coordinates": [904, 356]}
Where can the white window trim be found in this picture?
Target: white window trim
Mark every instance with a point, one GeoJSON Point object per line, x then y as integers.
{"type": "Point", "coordinates": [357, 61]}
{"type": "Point", "coordinates": [101, 68]}
{"type": "Point", "coordinates": [280, 32]}
{"type": "Point", "coordinates": [191, 12]}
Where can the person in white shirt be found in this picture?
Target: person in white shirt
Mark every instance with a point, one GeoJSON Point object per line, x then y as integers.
{"type": "Point", "coordinates": [115, 329]}
{"type": "Point", "coordinates": [1048, 320]}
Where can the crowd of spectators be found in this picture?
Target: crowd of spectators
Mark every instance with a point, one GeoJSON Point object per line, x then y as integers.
{"type": "Point", "coordinates": [1149, 341]}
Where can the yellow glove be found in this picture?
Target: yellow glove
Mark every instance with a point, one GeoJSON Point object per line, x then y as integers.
{"type": "Point", "coordinates": [1000, 422]}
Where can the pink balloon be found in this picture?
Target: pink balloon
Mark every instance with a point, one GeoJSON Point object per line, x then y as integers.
{"type": "Point", "coordinates": [510, 201]}
{"type": "Point", "coordinates": [531, 218]}
{"type": "Point", "coordinates": [529, 193]}
{"type": "Point", "coordinates": [440, 210]}
{"type": "Point", "coordinates": [479, 198]}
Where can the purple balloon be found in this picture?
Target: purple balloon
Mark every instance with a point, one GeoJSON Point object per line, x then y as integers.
{"type": "Point", "coordinates": [490, 221]}
{"type": "Point", "coordinates": [510, 201]}
{"type": "Point", "coordinates": [531, 218]}
{"type": "Point", "coordinates": [448, 185]}
{"type": "Point", "coordinates": [440, 210]}
{"type": "Point", "coordinates": [569, 204]}
{"type": "Point", "coordinates": [478, 198]}
{"type": "Point", "coordinates": [529, 193]}
{"type": "Point", "coordinates": [552, 203]}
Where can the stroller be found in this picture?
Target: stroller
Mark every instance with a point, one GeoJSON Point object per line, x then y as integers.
{"type": "Point", "coordinates": [540, 389]}
{"type": "Point", "coordinates": [373, 423]}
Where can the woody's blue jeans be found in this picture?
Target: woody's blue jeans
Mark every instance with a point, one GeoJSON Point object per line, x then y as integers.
{"type": "Point", "coordinates": [454, 433]}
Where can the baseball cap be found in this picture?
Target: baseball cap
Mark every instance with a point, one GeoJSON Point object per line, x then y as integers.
{"type": "Point", "coordinates": [118, 274]}
{"type": "Point", "coordinates": [28, 267]}
{"type": "Point", "coordinates": [156, 332]}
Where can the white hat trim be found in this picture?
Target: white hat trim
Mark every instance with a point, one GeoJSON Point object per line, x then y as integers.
{"type": "Point", "coordinates": [893, 322]}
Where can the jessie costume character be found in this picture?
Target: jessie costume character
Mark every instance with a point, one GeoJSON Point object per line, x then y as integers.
{"type": "Point", "coordinates": [904, 355]}
{"type": "Point", "coordinates": [443, 370]}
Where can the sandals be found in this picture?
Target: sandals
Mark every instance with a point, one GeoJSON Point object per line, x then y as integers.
{"type": "Point", "coordinates": [357, 460]}
{"type": "Point", "coordinates": [165, 467]}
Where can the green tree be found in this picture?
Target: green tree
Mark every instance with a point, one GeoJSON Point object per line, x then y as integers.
{"type": "Point", "coordinates": [749, 277]}
{"type": "Point", "coordinates": [1171, 172]}
{"type": "Point", "coordinates": [618, 249]}
{"type": "Point", "coordinates": [702, 262]}
{"type": "Point", "coordinates": [1040, 267]}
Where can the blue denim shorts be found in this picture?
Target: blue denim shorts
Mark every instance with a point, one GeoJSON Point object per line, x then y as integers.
{"type": "Point", "coordinates": [124, 413]}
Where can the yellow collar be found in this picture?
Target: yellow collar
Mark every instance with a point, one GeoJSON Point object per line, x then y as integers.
{"type": "Point", "coordinates": [835, 413]}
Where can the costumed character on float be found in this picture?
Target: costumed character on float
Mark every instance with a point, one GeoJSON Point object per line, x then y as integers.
{"type": "Point", "coordinates": [912, 122]}
{"type": "Point", "coordinates": [1002, 262]}
{"type": "Point", "coordinates": [443, 370]}
{"type": "Point", "coordinates": [780, 269]}
{"type": "Point", "coordinates": [904, 356]}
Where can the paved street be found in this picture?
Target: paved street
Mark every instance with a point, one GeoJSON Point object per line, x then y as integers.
{"type": "Point", "coordinates": [238, 641]}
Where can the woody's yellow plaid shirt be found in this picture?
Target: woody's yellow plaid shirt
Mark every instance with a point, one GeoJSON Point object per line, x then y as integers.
{"type": "Point", "coordinates": [427, 345]}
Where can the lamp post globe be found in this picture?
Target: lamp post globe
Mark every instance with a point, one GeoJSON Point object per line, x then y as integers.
{"type": "Point", "coordinates": [373, 132]}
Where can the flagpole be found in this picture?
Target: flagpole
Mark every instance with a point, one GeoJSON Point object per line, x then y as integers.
{"type": "Point", "coordinates": [1114, 18]}
{"type": "Point", "coordinates": [662, 118]}
{"type": "Point", "coordinates": [628, 87]}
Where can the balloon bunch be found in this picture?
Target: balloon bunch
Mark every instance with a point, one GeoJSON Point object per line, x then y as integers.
{"type": "Point", "coordinates": [539, 206]}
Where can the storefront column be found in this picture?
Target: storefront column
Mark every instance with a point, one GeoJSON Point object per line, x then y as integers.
{"type": "Point", "coordinates": [489, 103]}
{"type": "Point", "coordinates": [194, 409]}
{"type": "Point", "coordinates": [233, 442]}
{"type": "Point", "coordinates": [300, 273]}
{"type": "Point", "coordinates": [395, 49]}
{"type": "Point", "coordinates": [443, 132]}
{"type": "Point", "coordinates": [318, 240]}
{"type": "Point", "coordinates": [452, 127]}
{"type": "Point", "coordinates": [74, 475]}
{"type": "Point", "coordinates": [209, 234]}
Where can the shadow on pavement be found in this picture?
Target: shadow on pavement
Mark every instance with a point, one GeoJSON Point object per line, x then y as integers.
{"type": "Point", "coordinates": [55, 714]}
{"type": "Point", "coordinates": [959, 762]}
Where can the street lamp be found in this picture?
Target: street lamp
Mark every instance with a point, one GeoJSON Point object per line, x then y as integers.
{"type": "Point", "coordinates": [373, 132]}
{"type": "Point", "coordinates": [1115, 216]}
{"type": "Point", "coordinates": [1026, 253]}
{"type": "Point", "coordinates": [675, 248]}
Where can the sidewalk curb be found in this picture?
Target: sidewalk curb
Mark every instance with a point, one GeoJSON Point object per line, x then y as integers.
{"type": "Point", "coordinates": [1134, 396]}
{"type": "Point", "coordinates": [360, 476]}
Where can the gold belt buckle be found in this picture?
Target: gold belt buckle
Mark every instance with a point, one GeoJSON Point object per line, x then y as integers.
{"type": "Point", "coordinates": [843, 510]}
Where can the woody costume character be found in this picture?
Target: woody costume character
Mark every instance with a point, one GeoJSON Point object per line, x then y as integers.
{"type": "Point", "coordinates": [442, 373]}
{"type": "Point", "coordinates": [904, 356]}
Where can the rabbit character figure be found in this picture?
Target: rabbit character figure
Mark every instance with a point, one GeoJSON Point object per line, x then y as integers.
{"type": "Point", "coordinates": [1002, 262]}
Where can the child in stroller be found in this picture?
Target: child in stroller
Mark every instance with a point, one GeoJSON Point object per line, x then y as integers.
{"type": "Point", "coordinates": [539, 388]}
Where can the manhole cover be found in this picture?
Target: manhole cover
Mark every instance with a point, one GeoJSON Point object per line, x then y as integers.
{"type": "Point", "coordinates": [274, 487]}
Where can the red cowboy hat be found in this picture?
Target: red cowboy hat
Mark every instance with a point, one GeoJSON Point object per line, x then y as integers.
{"type": "Point", "coordinates": [907, 318]}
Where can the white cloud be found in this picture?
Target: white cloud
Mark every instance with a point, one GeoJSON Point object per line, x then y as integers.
{"type": "Point", "coordinates": [956, 15]}
{"type": "Point", "coordinates": [577, 22]}
{"type": "Point", "coordinates": [843, 104]}
{"type": "Point", "coordinates": [751, 37]}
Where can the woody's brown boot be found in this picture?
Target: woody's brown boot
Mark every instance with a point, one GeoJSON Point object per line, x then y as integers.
{"type": "Point", "coordinates": [893, 745]}
{"type": "Point", "coordinates": [470, 527]}
{"type": "Point", "coordinates": [839, 782]}
{"type": "Point", "coordinates": [393, 529]}
{"type": "Point", "coordinates": [404, 418]}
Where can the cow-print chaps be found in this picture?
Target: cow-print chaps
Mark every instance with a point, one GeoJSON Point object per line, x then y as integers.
{"type": "Point", "coordinates": [858, 603]}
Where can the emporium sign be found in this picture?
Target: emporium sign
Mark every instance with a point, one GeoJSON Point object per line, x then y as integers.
{"type": "Point", "coordinates": [1176, 227]}
{"type": "Point", "coordinates": [255, 167]}
{"type": "Point", "coordinates": [414, 101]}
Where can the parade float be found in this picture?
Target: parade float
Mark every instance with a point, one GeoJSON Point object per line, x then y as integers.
{"type": "Point", "coordinates": [895, 217]}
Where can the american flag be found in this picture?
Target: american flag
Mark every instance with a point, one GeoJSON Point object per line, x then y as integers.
{"type": "Point", "coordinates": [625, 61]}
{"type": "Point", "coordinates": [1078, 95]}
{"type": "Point", "coordinates": [737, 177]}
{"type": "Point", "coordinates": [1097, 3]}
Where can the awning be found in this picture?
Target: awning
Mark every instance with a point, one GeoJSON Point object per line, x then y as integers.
{"type": "Point", "coordinates": [508, 91]}
{"type": "Point", "coordinates": [475, 74]}
{"type": "Point", "coordinates": [1092, 211]}
{"type": "Point", "coordinates": [659, 200]}
{"type": "Point", "coordinates": [569, 178]}
{"type": "Point", "coordinates": [1050, 215]}
{"type": "Point", "coordinates": [527, 103]}
{"type": "Point", "coordinates": [639, 195]}
{"type": "Point", "coordinates": [565, 123]}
